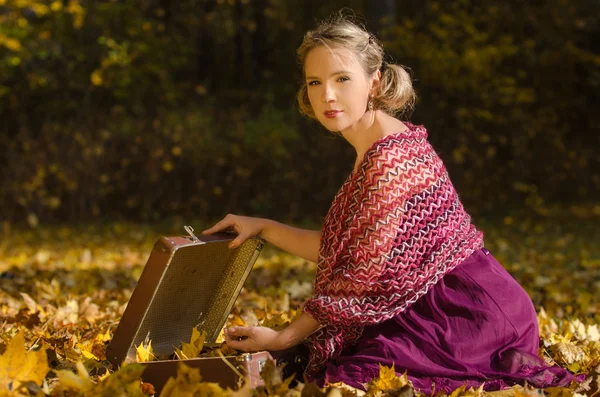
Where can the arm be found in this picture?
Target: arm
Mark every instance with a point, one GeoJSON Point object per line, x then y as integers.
{"type": "Point", "coordinates": [303, 326]}
{"type": "Point", "coordinates": [300, 242]}
{"type": "Point", "coordinates": [262, 338]}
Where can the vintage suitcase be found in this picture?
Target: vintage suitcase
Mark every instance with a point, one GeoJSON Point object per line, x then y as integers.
{"type": "Point", "coordinates": [188, 281]}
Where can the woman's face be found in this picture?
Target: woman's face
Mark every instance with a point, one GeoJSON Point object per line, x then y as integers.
{"type": "Point", "coordinates": [338, 88]}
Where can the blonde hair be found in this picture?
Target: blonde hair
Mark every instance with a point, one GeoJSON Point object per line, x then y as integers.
{"type": "Point", "coordinates": [395, 94]}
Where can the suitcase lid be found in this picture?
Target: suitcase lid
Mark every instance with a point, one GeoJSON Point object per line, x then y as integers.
{"type": "Point", "coordinates": [188, 281]}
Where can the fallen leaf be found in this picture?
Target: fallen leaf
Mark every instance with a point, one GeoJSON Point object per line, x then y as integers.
{"type": "Point", "coordinates": [89, 311]}
{"type": "Point", "coordinates": [125, 382]}
{"type": "Point", "coordinates": [18, 365]}
{"type": "Point", "coordinates": [184, 384]}
{"type": "Point", "coordinates": [312, 390]}
{"type": "Point", "coordinates": [148, 388]}
{"type": "Point", "coordinates": [144, 353]}
{"type": "Point", "coordinates": [192, 349]}
{"type": "Point", "coordinates": [387, 380]}
{"type": "Point", "coordinates": [568, 353]}
{"type": "Point", "coordinates": [80, 382]}
{"type": "Point", "coordinates": [272, 375]}
{"type": "Point", "coordinates": [29, 302]}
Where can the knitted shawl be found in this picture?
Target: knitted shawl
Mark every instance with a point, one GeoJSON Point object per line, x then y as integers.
{"type": "Point", "coordinates": [395, 227]}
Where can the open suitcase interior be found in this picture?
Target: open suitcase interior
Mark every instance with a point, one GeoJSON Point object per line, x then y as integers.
{"type": "Point", "coordinates": [188, 282]}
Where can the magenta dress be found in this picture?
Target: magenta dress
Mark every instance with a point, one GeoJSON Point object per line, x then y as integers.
{"type": "Point", "coordinates": [475, 325]}
{"type": "Point", "coordinates": [403, 279]}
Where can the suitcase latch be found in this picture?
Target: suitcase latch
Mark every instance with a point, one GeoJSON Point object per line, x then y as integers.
{"type": "Point", "coordinates": [190, 231]}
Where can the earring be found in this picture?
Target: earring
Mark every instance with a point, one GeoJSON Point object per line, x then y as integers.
{"type": "Point", "coordinates": [370, 105]}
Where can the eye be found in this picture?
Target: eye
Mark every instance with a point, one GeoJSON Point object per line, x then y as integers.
{"type": "Point", "coordinates": [314, 82]}
{"type": "Point", "coordinates": [344, 78]}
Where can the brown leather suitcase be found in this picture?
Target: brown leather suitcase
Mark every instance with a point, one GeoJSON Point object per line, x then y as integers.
{"type": "Point", "coordinates": [188, 281]}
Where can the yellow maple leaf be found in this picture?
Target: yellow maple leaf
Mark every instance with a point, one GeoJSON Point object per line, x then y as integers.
{"type": "Point", "coordinates": [18, 365]}
{"type": "Point", "coordinates": [104, 337]}
{"type": "Point", "coordinates": [387, 380]}
{"type": "Point", "coordinates": [277, 321]}
{"type": "Point", "coordinates": [184, 384]}
{"type": "Point", "coordinates": [211, 389]}
{"type": "Point", "coordinates": [124, 382]}
{"type": "Point", "coordinates": [558, 392]}
{"type": "Point", "coordinates": [192, 349]}
{"type": "Point", "coordinates": [86, 349]}
{"type": "Point", "coordinates": [144, 353]}
{"type": "Point", "coordinates": [463, 391]}
{"type": "Point", "coordinates": [80, 381]}
{"type": "Point", "coordinates": [568, 353]}
{"type": "Point", "coordinates": [342, 388]}
{"type": "Point", "coordinates": [515, 391]}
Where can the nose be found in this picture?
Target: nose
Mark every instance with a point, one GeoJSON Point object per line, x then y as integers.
{"type": "Point", "coordinates": [328, 94]}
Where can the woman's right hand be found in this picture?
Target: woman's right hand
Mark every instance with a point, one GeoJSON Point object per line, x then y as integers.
{"type": "Point", "coordinates": [245, 226]}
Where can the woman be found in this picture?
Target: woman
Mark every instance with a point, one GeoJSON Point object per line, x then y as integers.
{"type": "Point", "coordinates": [402, 276]}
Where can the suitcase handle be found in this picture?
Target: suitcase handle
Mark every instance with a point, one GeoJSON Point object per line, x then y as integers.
{"type": "Point", "coordinates": [190, 231]}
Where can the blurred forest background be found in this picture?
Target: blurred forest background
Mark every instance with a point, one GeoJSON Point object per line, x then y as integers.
{"type": "Point", "coordinates": [146, 109]}
{"type": "Point", "coordinates": [123, 120]}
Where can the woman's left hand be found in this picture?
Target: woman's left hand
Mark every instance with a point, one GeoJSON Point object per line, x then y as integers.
{"type": "Point", "coordinates": [255, 339]}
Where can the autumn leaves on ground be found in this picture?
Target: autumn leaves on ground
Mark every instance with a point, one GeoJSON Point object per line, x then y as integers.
{"type": "Point", "coordinates": [63, 291]}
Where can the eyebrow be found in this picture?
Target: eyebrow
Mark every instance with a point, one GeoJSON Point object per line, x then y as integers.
{"type": "Point", "coordinates": [332, 74]}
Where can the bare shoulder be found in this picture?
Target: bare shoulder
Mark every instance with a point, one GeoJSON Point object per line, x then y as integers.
{"type": "Point", "coordinates": [391, 125]}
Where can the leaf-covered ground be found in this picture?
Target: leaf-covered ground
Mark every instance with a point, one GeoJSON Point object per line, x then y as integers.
{"type": "Point", "coordinates": [63, 290]}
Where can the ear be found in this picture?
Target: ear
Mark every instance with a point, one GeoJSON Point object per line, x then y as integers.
{"type": "Point", "coordinates": [375, 82]}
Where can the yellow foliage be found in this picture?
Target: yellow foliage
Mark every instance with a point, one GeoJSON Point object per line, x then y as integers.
{"type": "Point", "coordinates": [387, 380]}
{"type": "Point", "coordinates": [80, 382]}
{"type": "Point", "coordinates": [79, 307]}
{"type": "Point", "coordinates": [188, 384]}
{"type": "Point", "coordinates": [192, 349]}
{"type": "Point", "coordinates": [125, 382]}
{"type": "Point", "coordinates": [10, 43]}
{"type": "Point", "coordinates": [458, 156]}
{"type": "Point", "coordinates": [40, 9]}
{"type": "Point", "coordinates": [56, 5]}
{"type": "Point", "coordinates": [18, 365]}
{"type": "Point", "coordinates": [96, 77]}
{"type": "Point", "coordinates": [78, 13]}
{"type": "Point", "coordinates": [144, 353]}
{"type": "Point", "coordinates": [568, 353]}
{"type": "Point", "coordinates": [167, 166]}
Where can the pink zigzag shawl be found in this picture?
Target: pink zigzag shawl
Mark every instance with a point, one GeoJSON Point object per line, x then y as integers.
{"type": "Point", "coordinates": [395, 227]}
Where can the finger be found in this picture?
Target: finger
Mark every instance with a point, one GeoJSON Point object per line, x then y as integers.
{"type": "Point", "coordinates": [236, 242]}
{"type": "Point", "coordinates": [242, 345]}
{"type": "Point", "coordinates": [246, 345]}
{"type": "Point", "coordinates": [222, 224]}
{"type": "Point", "coordinates": [238, 332]}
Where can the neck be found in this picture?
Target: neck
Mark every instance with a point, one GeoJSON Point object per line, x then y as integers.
{"type": "Point", "coordinates": [363, 133]}
{"type": "Point", "coordinates": [373, 126]}
{"type": "Point", "coordinates": [367, 130]}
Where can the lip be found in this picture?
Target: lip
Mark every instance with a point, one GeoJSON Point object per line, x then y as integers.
{"type": "Point", "coordinates": [331, 114]}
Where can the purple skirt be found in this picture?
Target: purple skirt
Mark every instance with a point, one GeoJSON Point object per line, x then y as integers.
{"type": "Point", "coordinates": [475, 325]}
